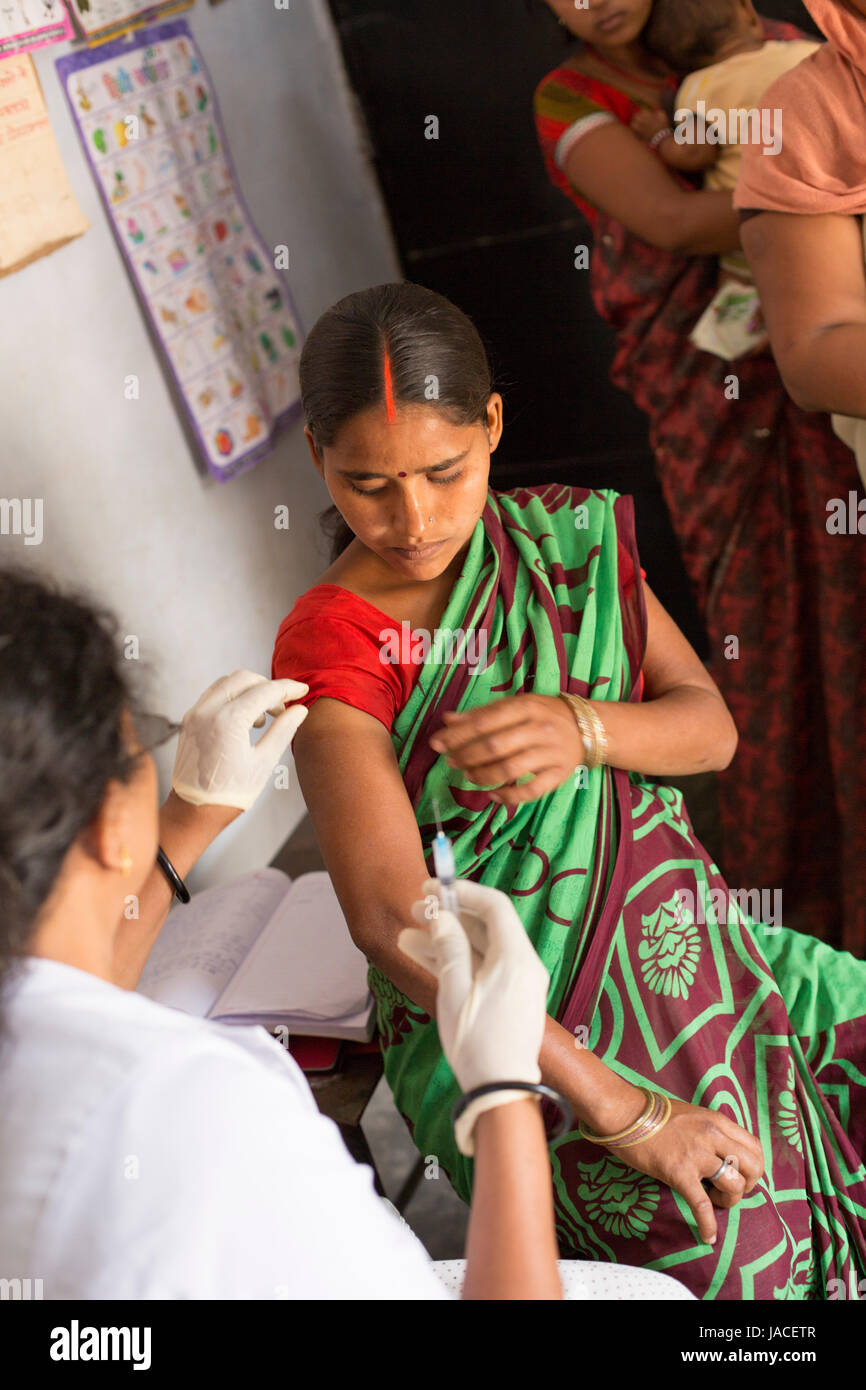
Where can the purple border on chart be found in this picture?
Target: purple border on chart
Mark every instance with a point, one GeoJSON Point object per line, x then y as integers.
{"type": "Point", "coordinates": [143, 38]}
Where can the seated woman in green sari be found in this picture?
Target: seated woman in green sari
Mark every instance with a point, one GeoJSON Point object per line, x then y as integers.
{"type": "Point", "coordinates": [436, 648]}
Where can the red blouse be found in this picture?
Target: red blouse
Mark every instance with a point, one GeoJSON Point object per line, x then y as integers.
{"type": "Point", "coordinates": [568, 103]}
{"type": "Point", "coordinates": [332, 640]}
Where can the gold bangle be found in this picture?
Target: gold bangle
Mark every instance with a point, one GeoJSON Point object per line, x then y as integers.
{"type": "Point", "coordinates": [585, 728]}
{"type": "Point", "coordinates": [647, 1127]}
{"type": "Point", "coordinates": [600, 733]}
{"type": "Point", "coordinates": [592, 731]}
{"type": "Point", "coordinates": [651, 1098]}
{"type": "Point", "coordinates": [659, 1123]}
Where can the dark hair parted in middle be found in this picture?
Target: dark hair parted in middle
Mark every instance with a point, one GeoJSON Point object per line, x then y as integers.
{"type": "Point", "coordinates": [433, 353]}
{"type": "Point", "coordinates": [685, 34]}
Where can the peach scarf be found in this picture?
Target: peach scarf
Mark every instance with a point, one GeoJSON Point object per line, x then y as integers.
{"type": "Point", "coordinates": [822, 164]}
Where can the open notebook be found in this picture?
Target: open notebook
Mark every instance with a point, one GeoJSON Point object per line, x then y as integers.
{"type": "Point", "coordinates": [264, 949]}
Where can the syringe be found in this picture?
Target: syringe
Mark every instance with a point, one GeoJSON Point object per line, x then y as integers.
{"type": "Point", "coordinates": [443, 860]}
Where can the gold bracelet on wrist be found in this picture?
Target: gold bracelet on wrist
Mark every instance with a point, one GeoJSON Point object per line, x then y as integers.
{"type": "Point", "coordinates": [592, 731]}
{"type": "Point", "coordinates": [650, 1097]}
{"type": "Point", "coordinates": [654, 1117]}
{"type": "Point", "coordinates": [656, 1123]}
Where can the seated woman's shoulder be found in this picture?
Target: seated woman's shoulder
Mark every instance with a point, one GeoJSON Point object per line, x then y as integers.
{"type": "Point", "coordinates": [332, 596]}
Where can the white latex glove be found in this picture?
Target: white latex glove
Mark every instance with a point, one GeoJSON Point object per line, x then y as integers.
{"type": "Point", "coordinates": [216, 763]}
{"type": "Point", "coordinates": [492, 996]}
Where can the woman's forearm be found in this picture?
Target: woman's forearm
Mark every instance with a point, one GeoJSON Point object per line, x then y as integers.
{"type": "Point", "coordinates": [690, 224]}
{"type": "Point", "coordinates": [688, 729]}
{"type": "Point", "coordinates": [599, 1096]}
{"type": "Point", "coordinates": [702, 224]}
{"type": "Point", "coordinates": [612, 169]}
{"type": "Point", "coordinates": [511, 1244]}
{"type": "Point", "coordinates": [185, 832]}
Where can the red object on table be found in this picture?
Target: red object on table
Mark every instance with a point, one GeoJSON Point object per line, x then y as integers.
{"type": "Point", "coordinates": [319, 1055]}
{"type": "Point", "coordinates": [316, 1054]}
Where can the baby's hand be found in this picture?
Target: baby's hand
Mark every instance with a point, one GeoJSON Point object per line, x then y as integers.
{"type": "Point", "coordinates": [646, 124]}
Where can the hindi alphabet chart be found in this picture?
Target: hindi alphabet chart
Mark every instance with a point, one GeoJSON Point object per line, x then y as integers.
{"type": "Point", "coordinates": [148, 120]}
{"type": "Point", "coordinates": [31, 23]}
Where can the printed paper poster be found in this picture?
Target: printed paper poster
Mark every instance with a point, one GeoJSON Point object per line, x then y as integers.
{"type": "Point", "coordinates": [106, 19]}
{"type": "Point", "coordinates": [148, 119]}
{"type": "Point", "coordinates": [31, 23]}
{"type": "Point", "coordinates": [38, 211]}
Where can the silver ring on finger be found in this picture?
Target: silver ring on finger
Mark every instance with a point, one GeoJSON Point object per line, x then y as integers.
{"type": "Point", "coordinates": [714, 1177]}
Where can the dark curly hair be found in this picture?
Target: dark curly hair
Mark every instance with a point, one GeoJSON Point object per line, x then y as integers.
{"type": "Point", "coordinates": [685, 34]}
{"type": "Point", "coordinates": [426, 337]}
{"type": "Point", "coordinates": [63, 689]}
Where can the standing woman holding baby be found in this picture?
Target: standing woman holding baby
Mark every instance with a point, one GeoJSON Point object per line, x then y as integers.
{"type": "Point", "coordinates": [746, 474]}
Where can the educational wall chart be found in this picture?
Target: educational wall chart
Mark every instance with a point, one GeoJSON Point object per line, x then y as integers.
{"type": "Point", "coordinates": [148, 119]}
{"type": "Point", "coordinates": [38, 211]}
{"type": "Point", "coordinates": [31, 23]}
{"type": "Point", "coordinates": [104, 19]}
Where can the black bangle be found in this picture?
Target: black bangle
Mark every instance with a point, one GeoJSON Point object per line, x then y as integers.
{"type": "Point", "coordinates": [175, 882]}
{"type": "Point", "coordinates": [536, 1088]}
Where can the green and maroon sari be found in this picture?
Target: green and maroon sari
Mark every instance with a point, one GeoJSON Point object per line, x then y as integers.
{"type": "Point", "coordinates": [763, 1024]}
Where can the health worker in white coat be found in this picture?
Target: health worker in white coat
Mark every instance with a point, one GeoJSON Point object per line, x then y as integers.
{"type": "Point", "coordinates": [148, 1154]}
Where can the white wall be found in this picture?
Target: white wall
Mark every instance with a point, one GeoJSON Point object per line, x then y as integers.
{"type": "Point", "coordinates": [193, 567]}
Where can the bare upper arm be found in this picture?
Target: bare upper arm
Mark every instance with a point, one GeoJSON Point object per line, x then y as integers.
{"type": "Point", "coordinates": [363, 817]}
{"type": "Point", "coordinates": [670, 658]}
{"type": "Point", "coordinates": [810, 277]}
{"type": "Point", "coordinates": [616, 172]}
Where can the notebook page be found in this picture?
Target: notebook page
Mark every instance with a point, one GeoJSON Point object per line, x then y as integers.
{"type": "Point", "coordinates": [304, 965]}
{"type": "Point", "coordinates": [204, 941]}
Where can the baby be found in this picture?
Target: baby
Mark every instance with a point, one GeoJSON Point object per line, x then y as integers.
{"type": "Point", "coordinates": [720, 45]}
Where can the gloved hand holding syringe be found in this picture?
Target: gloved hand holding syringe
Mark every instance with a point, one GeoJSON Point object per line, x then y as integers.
{"type": "Point", "coordinates": [492, 987]}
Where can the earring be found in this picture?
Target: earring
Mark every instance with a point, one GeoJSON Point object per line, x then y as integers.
{"type": "Point", "coordinates": [125, 863]}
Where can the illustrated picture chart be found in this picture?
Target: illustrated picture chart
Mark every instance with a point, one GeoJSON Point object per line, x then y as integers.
{"type": "Point", "coordinates": [100, 19]}
{"type": "Point", "coordinates": [32, 23]}
{"type": "Point", "coordinates": [148, 120]}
